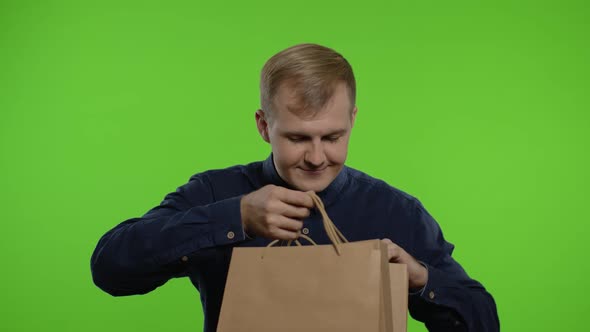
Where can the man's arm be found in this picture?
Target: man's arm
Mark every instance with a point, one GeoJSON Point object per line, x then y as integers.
{"type": "Point", "coordinates": [141, 254]}
{"type": "Point", "coordinates": [450, 300]}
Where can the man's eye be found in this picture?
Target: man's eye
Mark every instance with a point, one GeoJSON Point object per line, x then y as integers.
{"type": "Point", "coordinates": [332, 139]}
{"type": "Point", "coordinates": [296, 139]}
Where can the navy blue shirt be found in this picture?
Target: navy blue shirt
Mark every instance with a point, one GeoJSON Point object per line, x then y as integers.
{"type": "Point", "coordinates": [192, 233]}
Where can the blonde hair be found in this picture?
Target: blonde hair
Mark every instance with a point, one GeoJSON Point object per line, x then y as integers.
{"type": "Point", "coordinates": [312, 71]}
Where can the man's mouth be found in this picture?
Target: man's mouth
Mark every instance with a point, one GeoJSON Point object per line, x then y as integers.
{"type": "Point", "coordinates": [314, 171]}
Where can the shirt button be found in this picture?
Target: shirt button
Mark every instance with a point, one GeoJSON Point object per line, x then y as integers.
{"type": "Point", "coordinates": [431, 295]}
{"type": "Point", "coordinates": [305, 231]}
{"type": "Point", "coordinates": [184, 258]}
{"type": "Point", "coordinates": [231, 235]}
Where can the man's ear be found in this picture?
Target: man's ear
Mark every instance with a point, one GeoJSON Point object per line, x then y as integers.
{"type": "Point", "coordinates": [262, 125]}
{"type": "Point", "coordinates": [353, 116]}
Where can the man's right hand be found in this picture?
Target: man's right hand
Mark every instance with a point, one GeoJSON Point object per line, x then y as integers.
{"type": "Point", "coordinates": [275, 212]}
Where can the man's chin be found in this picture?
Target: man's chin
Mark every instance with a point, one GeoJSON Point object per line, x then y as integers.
{"type": "Point", "coordinates": [309, 185]}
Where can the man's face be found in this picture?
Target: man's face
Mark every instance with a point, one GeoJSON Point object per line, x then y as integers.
{"type": "Point", "coordinates": [310, 151]}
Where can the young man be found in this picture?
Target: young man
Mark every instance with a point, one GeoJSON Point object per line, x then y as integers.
{"type": "Point", "coordinates": [308, 112]}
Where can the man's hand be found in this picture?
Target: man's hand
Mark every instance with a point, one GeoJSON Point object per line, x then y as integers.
{"type": "Point", "coordinates": [417, 273]}
{"type": "Point", "coordinates": [275, 212]}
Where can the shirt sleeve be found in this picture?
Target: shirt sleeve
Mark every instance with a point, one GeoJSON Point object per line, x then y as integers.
{"type": "Point", "coordinates": [141, 254]}
{"type": "Point", "coordinates": [451, 300]}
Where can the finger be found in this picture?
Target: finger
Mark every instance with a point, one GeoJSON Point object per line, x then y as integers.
{"type": "Point", "coordinates": [394, 255]}
{"type": "Point", "coordinates": [293, 211]}
{"type": "Point", "coordinates": [394, 252]}
{"type": "Point", "coordinates": [387, 241]}
{"type": "Point", "coordinates": [281, 234]}
{"type": "Point", "coordinates": [289, 224]}
{"type": "Point", "coordinates": [295, 197]}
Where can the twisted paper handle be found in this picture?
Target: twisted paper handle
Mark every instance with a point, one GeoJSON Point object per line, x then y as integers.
{"type": "Point", "coordinates": [334, 234]}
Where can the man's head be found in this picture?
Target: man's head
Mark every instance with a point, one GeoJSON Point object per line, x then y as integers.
{"type": "Point", "coordinates": [308, 110]}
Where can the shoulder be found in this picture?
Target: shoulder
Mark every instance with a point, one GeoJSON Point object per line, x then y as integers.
{"type": "Point", "coordinates": [230, 181]}
{"type": "Point", "coordinates": [220, 174]}
{"type": "Point", "coordinates": [378, 190]}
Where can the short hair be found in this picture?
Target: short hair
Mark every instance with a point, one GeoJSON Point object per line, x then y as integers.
{"type": "Point", "coordinates": [312, 70]}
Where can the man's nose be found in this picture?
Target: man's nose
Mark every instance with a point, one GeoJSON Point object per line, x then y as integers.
{"type": "Point", "coordinates": [315, 156]}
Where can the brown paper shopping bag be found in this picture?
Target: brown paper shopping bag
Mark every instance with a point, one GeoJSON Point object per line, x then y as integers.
{"type": "Point", "coordinates": [345, 286]}
{"type": "Point", "coordinates": [398, 277]}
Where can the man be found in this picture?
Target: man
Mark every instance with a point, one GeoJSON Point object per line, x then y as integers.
{"type": "Point", "coordinates": [307, 115]}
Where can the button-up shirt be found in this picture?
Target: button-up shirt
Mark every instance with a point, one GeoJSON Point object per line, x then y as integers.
{"type": "Point", "coordinates": [192, 233]}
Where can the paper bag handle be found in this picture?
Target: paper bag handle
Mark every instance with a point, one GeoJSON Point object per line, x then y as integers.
{"type": "Point", "coordinates": [334, 234]}
{"type": "Point", "coordinates": [296, 241]}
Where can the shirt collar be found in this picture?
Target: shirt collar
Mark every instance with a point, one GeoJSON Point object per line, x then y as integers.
{"type": "Point", "coordinates": [328, 195]}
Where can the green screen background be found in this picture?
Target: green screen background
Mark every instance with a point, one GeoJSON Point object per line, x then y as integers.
{"type": "Point", "coordinates": [479, 109]}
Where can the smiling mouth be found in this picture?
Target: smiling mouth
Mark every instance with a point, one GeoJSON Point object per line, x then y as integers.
{"type": "Point", "coordinates": [314, 171]}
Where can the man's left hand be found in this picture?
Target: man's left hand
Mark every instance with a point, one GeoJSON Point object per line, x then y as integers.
{"type": "Point", "coordinates": [417, 273]}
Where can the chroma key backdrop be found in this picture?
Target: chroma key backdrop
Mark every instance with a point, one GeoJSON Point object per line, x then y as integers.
{"type": "Point", "coordinates": [478, 108]}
